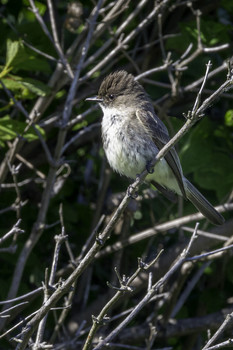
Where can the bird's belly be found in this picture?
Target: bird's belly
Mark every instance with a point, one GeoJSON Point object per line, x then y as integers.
{"type": "Point", "coordinates": [125, 156]}
{"type": "Point", "coordinates": [164, 176]}
{"type": "Point", "coordinates": [131, 161]}
{"type": "Point", "coordinates": [129, 153]}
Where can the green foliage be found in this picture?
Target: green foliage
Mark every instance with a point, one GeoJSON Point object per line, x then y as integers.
{"type": "Point", "coordinates": [41, 7]}
{"type": "Point", "coordinates": [212, 33]}
{"type": "Point", "coordinates": [17, 58]}
{"type": "Point", "coordinates": [25, 88]}
{"type": "Point", "coordinates": [14, 55]}
{"type": "Point", "coordinates": [20, 58]}
{"type": "Point", "coordinates": [229, 118]}
{"type": "Point", "coordinates": [79, 126]}
{"type": "Point", "coordinates": [10, 129]}
{"type": "Point", "coordinates": [206, 154]}
{"type": "Point", "coordinates": [227, 5]}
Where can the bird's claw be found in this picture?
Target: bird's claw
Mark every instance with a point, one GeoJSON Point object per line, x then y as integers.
{"type": "Point", "coordinates": [149, 168]}
{"type": "Point", "coordinates": [130, 192]}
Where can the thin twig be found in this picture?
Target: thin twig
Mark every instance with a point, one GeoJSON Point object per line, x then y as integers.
{"type": "Point", "coordinates": [124, 287]}
{"type": "Point", "coordinates": [219, 331]}
{"type": "Point", "coordinates": [54, 41]}
{"type": "Point", "coordinates": [150, 293]}
{"type": "Point", "coordinates": [160, 228]}
{"type": "Point", "coordinates": [20, 107]}
{"type": "Point", "coordinates": [15, 230]}
{"type": "Point", "coordinates": [73, 87]}
{"type": "Point", "coordinates": [198, 98]}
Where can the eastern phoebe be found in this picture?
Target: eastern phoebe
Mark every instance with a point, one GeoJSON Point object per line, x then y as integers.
{"type": "Point", "coordinates": [132, 135]}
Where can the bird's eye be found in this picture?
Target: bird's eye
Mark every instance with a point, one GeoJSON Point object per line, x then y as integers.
{"type": "Point", "coordinates": [111, 96]}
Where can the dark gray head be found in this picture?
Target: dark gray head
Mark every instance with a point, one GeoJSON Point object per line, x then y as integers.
{"type": "Point", "coordinates": [120, 89]}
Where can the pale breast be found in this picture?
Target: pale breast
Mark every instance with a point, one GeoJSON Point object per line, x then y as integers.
{"type": "Point", "coordinates": [129, 150]}
{"type": "Point", "coordinates": [126, 148]}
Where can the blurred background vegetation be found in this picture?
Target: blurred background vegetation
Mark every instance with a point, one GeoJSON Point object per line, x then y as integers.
{"type": "Point", "coordinates": [33, 94]}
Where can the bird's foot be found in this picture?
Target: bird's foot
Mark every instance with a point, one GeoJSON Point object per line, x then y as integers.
{"type": "Point", "coordinates": [149, 168]}
{"type": "Point", "coordinates": [131, 192]}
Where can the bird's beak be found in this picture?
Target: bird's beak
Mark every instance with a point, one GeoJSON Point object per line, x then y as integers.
{"type": "Point", "coordinates": [94, 98]}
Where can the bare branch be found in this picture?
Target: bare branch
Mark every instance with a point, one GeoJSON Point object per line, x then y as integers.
{"type": "Point", "coordinates": [54, 41]}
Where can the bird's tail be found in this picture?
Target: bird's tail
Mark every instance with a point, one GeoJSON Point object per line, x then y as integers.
{"type": "Point", "coordinates": [201, 203]}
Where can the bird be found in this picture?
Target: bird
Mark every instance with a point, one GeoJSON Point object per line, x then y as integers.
{"type": "Point", "coordinates": [132, 136]}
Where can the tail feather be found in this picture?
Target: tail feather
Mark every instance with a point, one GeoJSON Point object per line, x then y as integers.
{"type": "Point", "coordinates": [201, 203]}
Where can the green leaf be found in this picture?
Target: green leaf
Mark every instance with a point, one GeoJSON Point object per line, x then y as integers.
{"type": "Point", "coordinates": [212, 33]}
{"type": "Point", "coordinates": [29, 14]}
{"type": "Point", "coordinates": [20, 58]}
{"type": "Point", "coordinates": [79, 126]}
{"type": "Point", "coordinates": [217, 175]}
{"type": "Point", "coordinates": [14, 54]}
{"type": "Point", "coordinates": [10, 129]}
{"type": "Point", "coordinates": [32, 63]}
{"type": "Point", "coordinates": [60, 94]}
{"type": "Point", "coordinates": [25, 87]}
{"type": "Point", "coordinates": [204, 155]}
{"type": "Point", "coordinates": [36, 86]}
{"type": "Point", "coordinates": [229, 118]}
{"type": "Point", "coordinates": [12, 48]}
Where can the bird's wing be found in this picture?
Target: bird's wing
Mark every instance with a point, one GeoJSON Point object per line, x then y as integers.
{"type": "Point", "coordinates": [160, 137]}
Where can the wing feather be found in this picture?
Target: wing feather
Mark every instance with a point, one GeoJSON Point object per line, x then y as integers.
{"type": "Point", "coordinates": [160, 137]}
